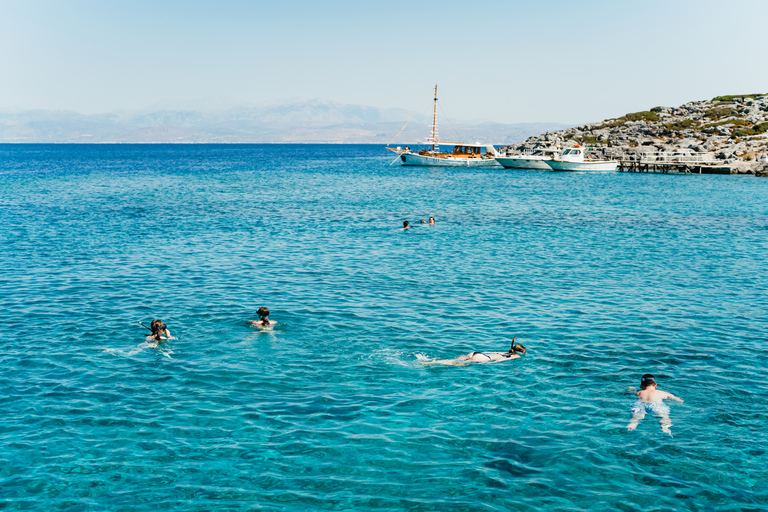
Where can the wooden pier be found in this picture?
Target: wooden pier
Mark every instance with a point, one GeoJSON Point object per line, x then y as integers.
{"type": "Point", "coordinates": [670, 163]}
{"type": "Point", "coordinates": [674, 167]}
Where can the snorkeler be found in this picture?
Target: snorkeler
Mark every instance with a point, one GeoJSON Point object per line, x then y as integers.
{"type": "Point", "coordinates": [263, 322]}
{"type": "Point", "coordinates": [650, 400]}
{"type": "Point", "coordinates": [516, 351]}
{"type": "Point", "coordinates": [159, 331]}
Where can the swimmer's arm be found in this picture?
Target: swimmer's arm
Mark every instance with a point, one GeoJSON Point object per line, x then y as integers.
{"type": "Point", "coordinates": [505, 358]}
{"type": "Point", "coordinates": [672, 397]}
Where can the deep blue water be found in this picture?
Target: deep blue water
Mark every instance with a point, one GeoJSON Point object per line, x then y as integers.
{"type": "Point", "coordinates": [602, 277]}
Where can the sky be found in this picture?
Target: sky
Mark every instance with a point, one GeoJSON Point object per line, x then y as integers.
{"type": "Point", "coordinates": [502, 61]}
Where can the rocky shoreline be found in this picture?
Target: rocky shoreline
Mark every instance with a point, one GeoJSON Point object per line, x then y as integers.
{"type": "Point", "coordinates": [727, 131]}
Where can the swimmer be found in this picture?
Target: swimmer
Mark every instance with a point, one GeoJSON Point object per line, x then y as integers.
{"type": "Point", "coordinates": [159, 331]}
{"type": "Point", "coordinates": [263, 322]}
{"type": "Point", "coordinates": [650, 400]}
{"type": "Point", "coordinates": [515, 352]}
{"type": "Point", "coordinates": [406, 225]}
{"type": "Point", "coordinates": [423, 221]}
{"type": "Point", "coordinates": [431, 221]}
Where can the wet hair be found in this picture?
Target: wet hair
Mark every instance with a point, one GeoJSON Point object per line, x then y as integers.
{"type": "Point", "coordinates": [647, 380]}
{"type": "Point", "coordinates": [263, 313]}
{"type": "Point", "coordinates": [157, 327]}
{"type": "Point", "coordinates": [516, 347]}
{"type": "Point", "coordinates": [405, 223]}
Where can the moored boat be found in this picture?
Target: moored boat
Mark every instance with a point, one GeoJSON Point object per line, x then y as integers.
{"type": "Point", "coordinates": [530, 160]}
{"type": "Point", "coordinates": [462, 154]}
{"type": "Point", "coordinates": [573, 160]}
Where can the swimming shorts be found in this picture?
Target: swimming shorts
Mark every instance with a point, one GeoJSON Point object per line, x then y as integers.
{"type": "Point", "coordinates": [655, 408]}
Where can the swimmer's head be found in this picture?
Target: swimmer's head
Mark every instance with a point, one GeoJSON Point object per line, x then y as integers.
{"type": "Point", "coordinates": [157, 326]}
{"type": "Point", "coordinates": [431, 220]}
{"type": "Point", "coordinates": [405, 224]}
{"type": "Point", "coordinates": [263, 312]}
{"type": "Point", "coordinates": [517, 348]}
{"type": "Point", "coordinates": [647, 380]}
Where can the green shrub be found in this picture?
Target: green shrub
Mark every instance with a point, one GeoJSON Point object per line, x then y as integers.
{"type": "Point", "coordinates": [734, 96]}
{"type": "Point", "coordinates": [718, 112]}
{"type": "Point", "coordinates": [680, 125]}
{"type": "Point", "coordinates": [645, 115]}
{"type": "Point", "coordinates": [752, 130]}
{"type": "Point", "coordinates": [588, 140]}
{"type": "Point", "coordinates": [656, 109]}
{"type": "Point", "coordinates": [735, 122]}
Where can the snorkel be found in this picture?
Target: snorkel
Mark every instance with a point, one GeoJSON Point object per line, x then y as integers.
{"type": "Point", "coordinates": [517, 348]}
{"type": "Point", "coordinates": [157, 329]}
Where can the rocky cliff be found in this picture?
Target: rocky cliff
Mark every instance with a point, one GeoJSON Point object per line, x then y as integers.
{"type": "Point", "coordinates": [731, 128]}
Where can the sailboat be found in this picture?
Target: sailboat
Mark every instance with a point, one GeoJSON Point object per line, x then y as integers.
{"type": "Point", "coordinates": [462, 154]}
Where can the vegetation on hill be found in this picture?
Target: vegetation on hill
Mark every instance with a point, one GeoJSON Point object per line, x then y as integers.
{"type": "Point", "coordinates": [645, 115]}
{"type": "Point", "coordinates": [752, 130]}
{"type": "Point", "coordinates": [734, 96]}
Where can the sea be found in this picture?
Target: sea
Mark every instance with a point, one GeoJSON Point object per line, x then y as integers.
{"type": "Point", "coordinates": [602, 277]}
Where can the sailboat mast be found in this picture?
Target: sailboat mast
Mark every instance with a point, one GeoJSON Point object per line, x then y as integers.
{"type": "Point", "coordinates": [434, 120]}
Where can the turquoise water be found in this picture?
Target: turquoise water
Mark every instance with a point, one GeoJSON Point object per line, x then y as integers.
{"type": "Point", "coordinates": [602, 277]}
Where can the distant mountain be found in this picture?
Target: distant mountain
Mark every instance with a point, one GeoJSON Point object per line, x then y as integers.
{"type": "Point", "coordinates": [305, 121]}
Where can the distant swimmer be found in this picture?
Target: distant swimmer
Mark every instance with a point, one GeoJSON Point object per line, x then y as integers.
{"type": "Point", "coordinates": [406, 225]}
{"type": "Point", "coordinates": [515, 352]}
{"type": "Point", "coordinates": [431, 221]}
{"type": "Point", "coordinates": [159, 331]}
{"type": "Point", "coordinates": [263, 322]}
{"type": "Point", "coordinates": [649, 399]}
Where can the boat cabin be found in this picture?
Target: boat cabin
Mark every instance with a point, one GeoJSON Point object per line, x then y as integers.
{"type": "Point", "coordinates": [573, 152]}
{"type": "Point", "coordinates": [461, 150]}
{"type": "Point", "coordinates": [573, 155]}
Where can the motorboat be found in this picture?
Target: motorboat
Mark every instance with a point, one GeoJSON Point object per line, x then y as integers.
{"type": "Point", "coordinates": [573, 160]}
{"type": "Point", "coordinates": [529, 159]}
{"type": "Point", "coordinates": [462, 154]}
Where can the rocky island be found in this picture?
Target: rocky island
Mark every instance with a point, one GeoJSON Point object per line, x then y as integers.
{"type": "Point", "coordinates": [728, 134]}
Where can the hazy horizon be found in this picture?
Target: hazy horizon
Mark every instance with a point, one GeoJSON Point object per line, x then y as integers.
{"type": "Point", "coordinates": [217, 121]}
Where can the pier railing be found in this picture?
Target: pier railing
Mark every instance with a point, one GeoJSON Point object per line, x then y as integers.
{"type": "Point", "coordinates": [656, 157]}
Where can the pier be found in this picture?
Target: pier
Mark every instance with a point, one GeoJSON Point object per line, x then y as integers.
{"type": "Point", "coordinates": [671, 163]}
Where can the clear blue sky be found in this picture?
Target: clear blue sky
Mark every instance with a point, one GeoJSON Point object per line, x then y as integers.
{"type": "Point", "coordinates": [503, 61]}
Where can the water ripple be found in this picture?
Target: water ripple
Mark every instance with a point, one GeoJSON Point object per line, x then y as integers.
{"type": "Point", "coordinates": [603, 278]}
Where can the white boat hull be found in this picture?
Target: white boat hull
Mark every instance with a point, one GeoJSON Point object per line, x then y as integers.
{"type": "Point", "coordinates": [523, 162]}
{"type": "Point", "coordinates": [596, 166]}
{"type": "Point", "coordinates": [423, 160]}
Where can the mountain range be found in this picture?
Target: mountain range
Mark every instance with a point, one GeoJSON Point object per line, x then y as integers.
{"type": "Point", "coordinates": [313, 121]}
